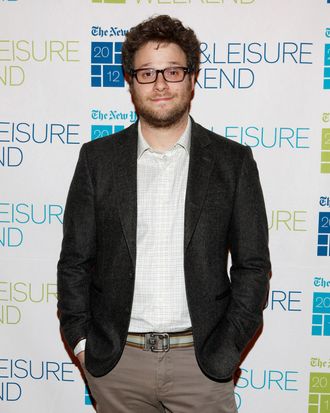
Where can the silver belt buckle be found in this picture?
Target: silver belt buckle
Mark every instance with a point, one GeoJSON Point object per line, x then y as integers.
{"type": "Point", "coordinates": [156, 342]}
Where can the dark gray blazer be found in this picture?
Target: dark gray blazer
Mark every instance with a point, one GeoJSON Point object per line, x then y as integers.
{"type": "Point", "coordinates": [224, 211]}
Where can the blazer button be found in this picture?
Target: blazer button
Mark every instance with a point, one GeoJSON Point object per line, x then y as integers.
{"type": "Point", "coordinates": [131, 274]}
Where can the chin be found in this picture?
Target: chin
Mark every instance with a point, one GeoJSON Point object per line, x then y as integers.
{"type": "Point", "coordinates": [163, 121]}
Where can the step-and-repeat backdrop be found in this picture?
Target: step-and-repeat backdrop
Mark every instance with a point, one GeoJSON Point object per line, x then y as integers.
{"type": "Point", "coordinates": [264, 82]}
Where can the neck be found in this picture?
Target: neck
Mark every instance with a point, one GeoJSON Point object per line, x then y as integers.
{"type": "Point", "coordinates": [162, 139]}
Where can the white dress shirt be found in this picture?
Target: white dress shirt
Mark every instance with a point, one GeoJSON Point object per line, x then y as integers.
{"type": "Point", "coordinates": [160, 303]}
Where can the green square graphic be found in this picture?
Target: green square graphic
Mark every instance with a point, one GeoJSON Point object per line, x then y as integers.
{"type": "Point", "coordinates": [326, 139]}
{"type": "Point", "coordinates": [319, 383]}
{"type": "Point", "coordinates": [325, 156]}
{"type": "Point", "coordinates": [96, 1]}
{"type": "Point", "coordinates": [313, 409]}
{"type": "Point", "coordinates": [325, 403]}
{"type": "Point", "coordinates": [313, 399]}
{"type": "Point", "coordinates": [325, 168]}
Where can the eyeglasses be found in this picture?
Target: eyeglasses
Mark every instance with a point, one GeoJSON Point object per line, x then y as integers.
{"type": "Point", "coordinates": [170, 74]}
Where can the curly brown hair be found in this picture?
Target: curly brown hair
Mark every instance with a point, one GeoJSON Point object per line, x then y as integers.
{"type": "Point", "coordinates": [164, 29]}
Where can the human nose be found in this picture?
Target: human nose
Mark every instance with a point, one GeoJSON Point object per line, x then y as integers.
{"type": "Point", "coordinates": [160, 82]}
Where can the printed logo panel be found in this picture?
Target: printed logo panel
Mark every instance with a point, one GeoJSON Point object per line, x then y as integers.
{"type": "Point", "coordinates": [326, 81]}
{"type": "Point", "coordinates": [319, 393]}
{"type": "Point", "coordinates": [114, 120]}
{"type": "Point", "coordinates": [106, 69]}
{"type": "Point", "coordinates": [325, 151]}
{"type": "Point", "coordinates": [321, 314]}
{"type": "Point", "coordinates": [323, 243]}
{"type": "Point", "coordinates": [99, 131]}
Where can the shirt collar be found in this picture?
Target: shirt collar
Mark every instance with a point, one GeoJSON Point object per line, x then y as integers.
{"type": "Point", "coordinates": [184, 141]}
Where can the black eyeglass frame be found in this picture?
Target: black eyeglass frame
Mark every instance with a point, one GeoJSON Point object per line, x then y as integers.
{"type": "Point", "coordinates": [186, 70]}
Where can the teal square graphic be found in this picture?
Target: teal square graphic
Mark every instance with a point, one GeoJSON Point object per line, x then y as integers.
{"type": "Point", "coordinates": [88, 397]}
{"type": "Point", "coordinates": [321, 314]}
{"type": "Point", "coordinates": [327, 54]}
{"type": "Point", "coordinates": [99, 131]}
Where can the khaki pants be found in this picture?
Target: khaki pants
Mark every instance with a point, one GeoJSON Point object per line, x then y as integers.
{"type": "Point", "coordinates": [171, 382]}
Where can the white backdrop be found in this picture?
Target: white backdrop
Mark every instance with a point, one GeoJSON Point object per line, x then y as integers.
{"type": "Point", "coordinates": [265, 82]}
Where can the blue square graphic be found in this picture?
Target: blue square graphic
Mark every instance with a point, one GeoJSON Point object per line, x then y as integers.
{"type": "Point", "coordinates": [324, 223]}
{"type": "Point", "coordinates": [106, 64]}
{"type": "Point", "coordinates": [326, 84]}
{"type": "Point", "coordinates": [96, 82]}
{"type": "Point", "coordinates": [113, 76]}
{"type": "Point", "coordinates": [102, 52]}
{"type": "Point", "coordinates": [96, 70]}
{"type": "Point", "coordinates": [322, 251]}
{"type": "Point", "coordinates": [322, 240]}
{"type": "Point", "coordinates": [118, 47]}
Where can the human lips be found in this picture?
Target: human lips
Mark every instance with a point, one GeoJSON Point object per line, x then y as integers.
{"type": "Point", "coordinates": [161, 98]}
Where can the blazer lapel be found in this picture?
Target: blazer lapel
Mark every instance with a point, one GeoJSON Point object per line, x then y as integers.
{"type": "Point", "coordinates": [125, 171]}
{"type": "Point", "coordinates": [200, 167]}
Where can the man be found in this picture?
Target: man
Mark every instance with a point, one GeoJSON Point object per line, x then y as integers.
{"type": "Point", "coordinates": [145, 300]}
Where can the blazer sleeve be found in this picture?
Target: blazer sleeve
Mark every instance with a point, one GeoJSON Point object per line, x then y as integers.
{"type": "Point", "coordinates": [248, 242]}
{"type": "Point", "coordinates": [78, 255]}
